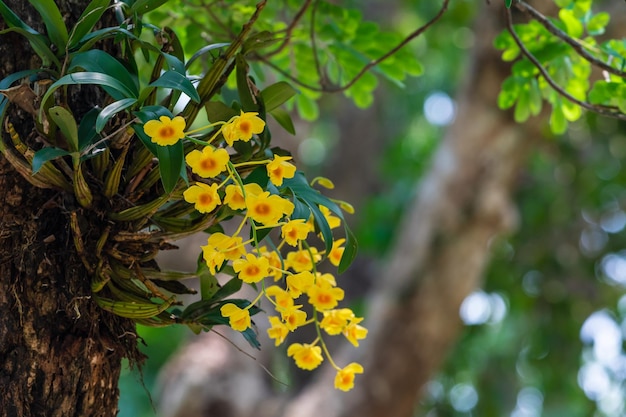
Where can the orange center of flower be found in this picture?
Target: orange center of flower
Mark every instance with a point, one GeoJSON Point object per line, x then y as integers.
{"type": "Point", "coordinates": [308, 358]}
{"type": "Point", "coordinates": [252, 270]}
{"type": "Point", "coordinates": [263, 209]}
{"type": "Point", "coordinates": [245, 127]}
{"type": "Point", "coordinates": [346, 379]}
{"type": "Point", "coordinates": [167, 131]}
{"type": "Point", "coordinates": [324, 298]}
{"type": "Point", "coordinates": [208, 164]}
{"type": "Point", "coordinates": [205, 199]}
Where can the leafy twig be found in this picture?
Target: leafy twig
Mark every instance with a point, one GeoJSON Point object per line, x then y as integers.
{"type": "Point", "coordinates": [370, 65]}
{"type": "Point", "coordinates": [594, 108]}
{"type": "Point", "coordinates": [290, 28]}
{"type": "Point", "coordinates": [578, 47]}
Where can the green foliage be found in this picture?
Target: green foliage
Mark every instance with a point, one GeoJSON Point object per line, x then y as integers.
{"type": "Point", "coordinates": [555, 46]}
{"type": "Point", "coordinates": [343, 44]}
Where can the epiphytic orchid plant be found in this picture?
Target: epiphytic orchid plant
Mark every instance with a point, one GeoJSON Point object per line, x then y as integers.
{"type": "Point", "coordinates": [141, 173]}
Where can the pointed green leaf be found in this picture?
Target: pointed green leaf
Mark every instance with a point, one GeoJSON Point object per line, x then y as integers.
{"type": "Point", "coordinates": [284, 119]}
{"type": "Point", "coordinates": [55, 25]}
{"type": "Point", "coordinates": [277, 94]}
{"type": "Point", "coordinates": [231, 287]}
{"type": "Point", "coordinates": [39, 42]}
{"type": "Point", "coordinates": [204, 50]}
{"type": "Point", "coordinates": [349, 252]}
{"type": "Point", "coordinates": [46, 154]}
{"type": "Point", "coordinates": [217, 111]}
{"type": "Point", "coordinates": [507, 3]}
{"type": "Point", "coordinates": [96, 78]}
{"type": "Point", "coordinates": [87, 128]}
{"type": "Point", "coordinates": [176, 81]}
{"type": "Point", "coordinates": [171, 159]}
{"type": "Point", "coordinates": [64, 119]}
{"type": "Point", "coordinates": [245, 95]}
{"type": "Point", "coordinates": [208, 282]}
{"type": "Point", "coordinates": [111, 110]}
{"type": "Point", "coordinates": [87, 20]}
{"type": "Point", "coordinates": [89, 39]}
{"type": "Point", "coordinates": [96, 60]}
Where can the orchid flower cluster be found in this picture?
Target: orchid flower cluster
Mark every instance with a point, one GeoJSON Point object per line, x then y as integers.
{"type": "Point", "coordinates": [138, 178]}
{"type": "Point", "coordinates": [284, 274]}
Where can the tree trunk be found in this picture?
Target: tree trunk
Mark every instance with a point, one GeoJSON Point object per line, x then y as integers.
{"type": "Point", "coordinates": [60, 355]}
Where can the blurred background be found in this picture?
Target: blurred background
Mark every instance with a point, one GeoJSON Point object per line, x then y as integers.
{"type": "Point", "coordinates": [537, 325]}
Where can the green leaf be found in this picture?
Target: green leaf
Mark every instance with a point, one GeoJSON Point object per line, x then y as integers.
{"type": "Point", "coordinates": [277, 94]}
{"type": "Point", "coordinates": [111, 110]}
{"type": "Point", "coordinates": [349, 252]}
{"type": "Point", "coordinates": [507, 3]}
{"type": "Point", "coordinates": [171, 159]}
{"type": "Point", "coordinates": [574, 27]}
{"type": "Point", "coordinates": [87, 128]}
{"type": "Point", "coordinates": [558, 123]}
{"type": "Point", "coordinates": [88, 40]}
{"type": "Point", "coordinates": [258, 41]}
{"type": "Point", "coordinates": [208, 282]}
{"type": "Point", "coordinates": [284, 119]}
{"type": "Point", "coordinates": [603, 91]}
{"type": "Point", "coordinates": [581, 8]}
{"type": "Point", "coordinates": [46, 154]}
{"type": "Point", "coordinates": [217, 111]}
{"type": "Point", "coordinates": [231, 287]}
{"type": "Point", "coordinates": [563, 3]}
{"type": "Point", "coordinates": [245, 95]}
{"type": "Point", "coordinates": [96, 60]}
{"type": "Point", "coordinates": [144, 6]}
{"type": "Point", "coordinates": [88, 78]}
{"type": "Point", "coordinates": [534, 97]}
{"type": "Point", "coordinates": [38, 41]}
{"type": "Point", "coordinates": [522, 108]}
{"type": "Point", "coordinates": [64, 119]}
{"type": "Point", "coordinates": [250, 335]}
{"type": "Point", "coordinates": [596, 25]}
{"type": "Point", "coordinates": [508, 92]}
{"type": "Point", "coordinates": [55, 25]}
{"type": "Point", "coordinates": [87, 20]}
{"type": "Point", "coordinates": [307, 108]}
{"type": "Point", "coordinates": [302, 191]}
{"type": "Point", "coordinates": [204, 50]}
{"type": "Point", "coordinates": [176, 81]}
{"type": "Point", "coordinates": [571, 111]}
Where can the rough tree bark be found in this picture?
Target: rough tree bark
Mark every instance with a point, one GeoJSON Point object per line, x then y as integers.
{"type": "Point", "coordinates": [443, 247]}
{"type": "Point", "coordinates": [60, 355]}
